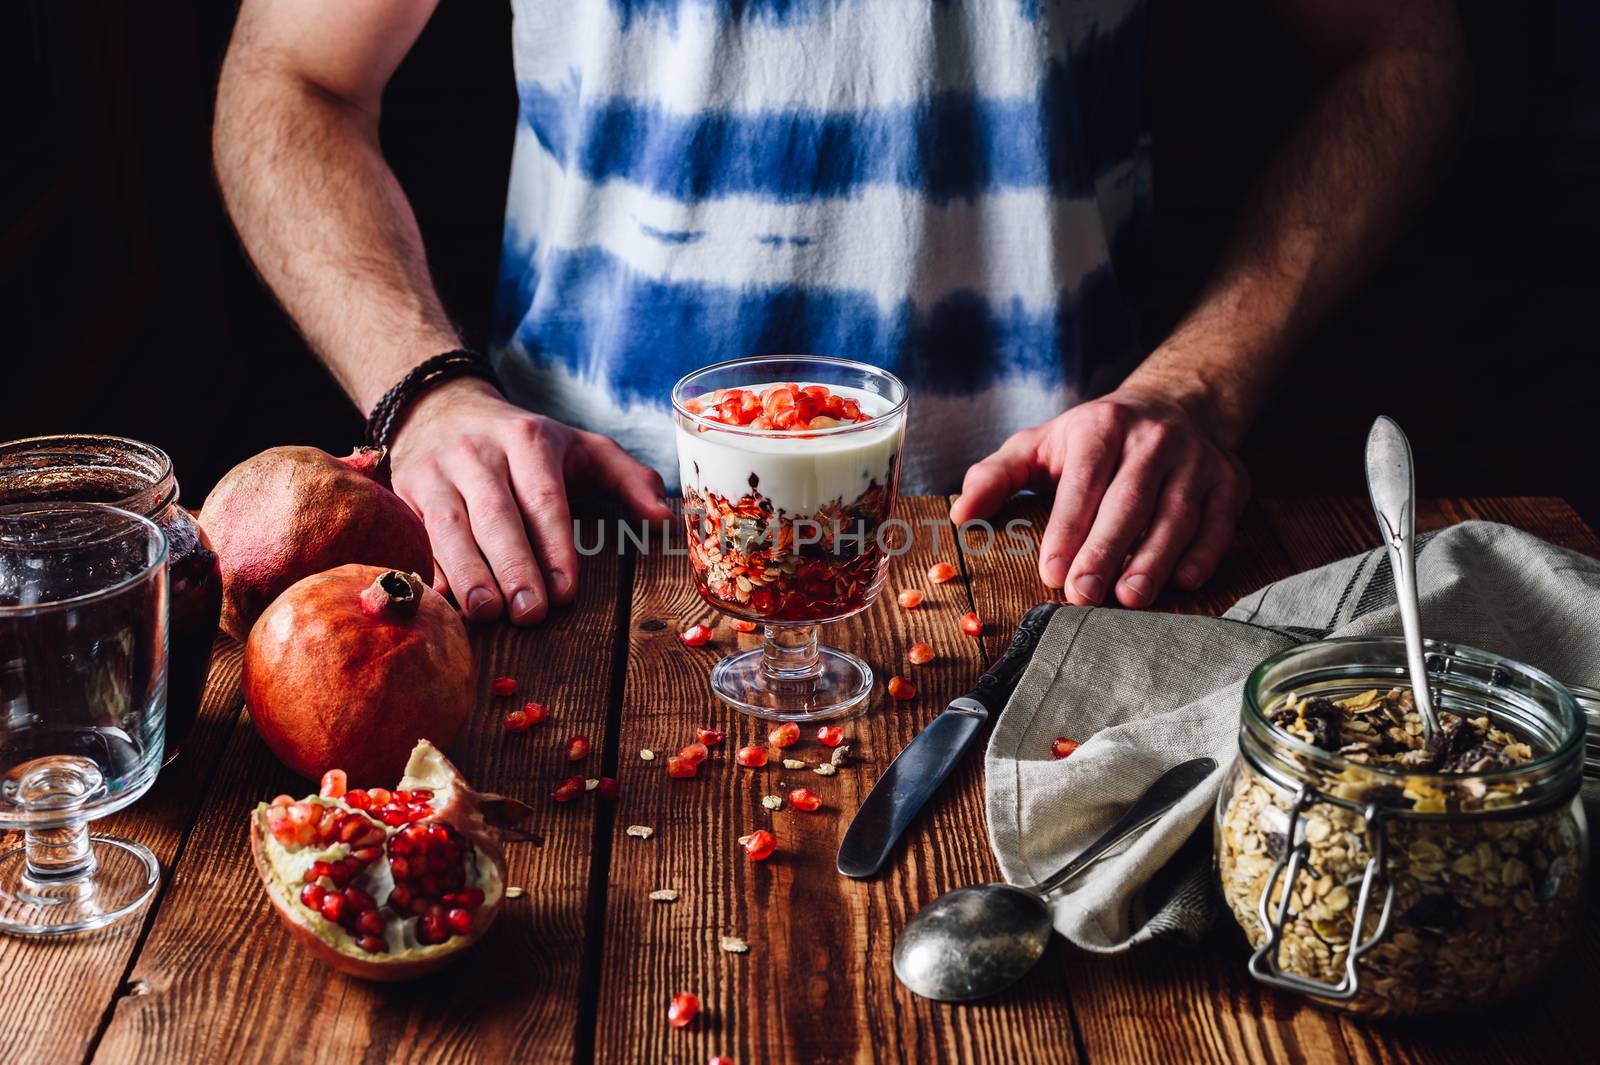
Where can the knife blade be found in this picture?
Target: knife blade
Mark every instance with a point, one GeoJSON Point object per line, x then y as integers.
{"type": "Point", "coordinates": [921, 767]}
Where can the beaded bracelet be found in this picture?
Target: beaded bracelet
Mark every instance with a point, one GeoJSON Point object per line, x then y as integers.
{"type": "Point", "coordinates": [463, 362]}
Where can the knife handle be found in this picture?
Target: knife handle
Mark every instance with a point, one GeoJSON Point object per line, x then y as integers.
{"type": "Point", "coordinates": [1000, 679]}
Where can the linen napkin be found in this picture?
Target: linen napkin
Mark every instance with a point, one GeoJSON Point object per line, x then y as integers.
{"type": "Point", "coordinates": [1143, 691]}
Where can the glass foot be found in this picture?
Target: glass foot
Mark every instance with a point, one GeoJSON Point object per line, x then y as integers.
{"type": "Point", "coordinates": [833, 685]}
{"type": "Point", "coordinates": [117, 880]}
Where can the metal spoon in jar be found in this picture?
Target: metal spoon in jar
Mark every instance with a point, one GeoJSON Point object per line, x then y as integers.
{"type": "Point", "coordinates": [1391, 481]}
{"type": "Point", "coordinates": [975, 941]}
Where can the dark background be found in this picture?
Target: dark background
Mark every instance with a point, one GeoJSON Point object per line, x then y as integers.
{"type": "Point", "coordinates": [131, 309]}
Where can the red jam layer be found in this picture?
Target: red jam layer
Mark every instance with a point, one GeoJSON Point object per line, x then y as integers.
{"type": "Point", "coordinates": [785, 406]}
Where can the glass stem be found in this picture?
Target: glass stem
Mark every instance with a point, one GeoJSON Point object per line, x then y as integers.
{"type": "Point", "coordinates": [789, 653]}
{"type": "Point", "coordinates": [55, 855]}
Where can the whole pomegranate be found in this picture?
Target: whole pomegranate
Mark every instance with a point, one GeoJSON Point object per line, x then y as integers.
{"type": "Point", "coordinates": [290, 512]}
{"type": "Point", "coordinates": [351, 667]}
{"type": "Point", "coordinates": [386, 885]}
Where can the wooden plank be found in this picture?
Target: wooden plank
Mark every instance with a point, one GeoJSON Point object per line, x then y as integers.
{"type": "Point", "coordinates": [58, 992]}
{"type": "Point", "coordinates": [817, 984]}
{"type": "Point", "coordinates": [220, 978]}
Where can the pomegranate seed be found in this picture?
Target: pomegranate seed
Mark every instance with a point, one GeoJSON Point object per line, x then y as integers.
{"type": "Point", "coordinates": [312, 896]}
{"type": "Point", "coordinates": [805, 799]}
{"type": "Point", "coordinates": [751, 757]}
{"type": "Point", "coordinates": [283, 800]}
{"type": "Point", "coordinates": [608, 788]}
{"type": "Point", "coordinates": [909, 598]}
{"type": "Point", "coordinates": [459, 920]}
{"type": "Point", "coordinates": [830, 735]}
{"type": "Point", "coordinates": [920, 653]}
{"type": "Point", "coordinates": [785, 735]}
{"type": "Point", "coordinates": [970, 623]}
{"type": "Point", "coordinates": [567, 790]}
{"type": "Point", "coordinates": [680, 768]}
{"type": "Point", "coordinates": [503, 686]}
{"type": "Point", "coordinates": [372, 944]}
{"type": "Point", "coordinates": [334, 783]}
{"type": "Point", "coordinates": [721, 1060]}
{"type": "Point", "coordinates": [536, 712]}
{"type": "Point", "coordinates": [741, 625]}
{"type": "Point", "coordinates": [357, 799]}
{"type": "Point", "coordinates": [379, 797]}
{"type": "Point", "coordinates": [471, 898]}
{"type": "Point", "coordinates": [358, 899]}
{"type": "Point", "coordinates": [517, 721]}
{"type": "Point", "coordinates": [694, 753]}
{"type": "Point", "coordinates": [695, 635]}
{"type": "Point", "coordinates": [369, 923]}
{"type": "Point", "coordinates": [333, 906]}
{"type": "Point", "coordinates": [711, 737]}
{"type": "Point", "coordinates": [1062, 746]}
{"type": "Point", "coordinates": [760, 844]}
{"type": "Point", "coordinates": [577, 748]}
{"type": "Point", "coordinates": [421, 795]}
{"type": "Point", "coordinates": [432, 929]}
{"type": "Point", "coordinates": [900, 688]}
{"type": "Point", "coordinates": [940, 572]}
{"type": "Point", "coordinates": [684, 1007]}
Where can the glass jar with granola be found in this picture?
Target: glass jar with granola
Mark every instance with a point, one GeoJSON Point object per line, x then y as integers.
{"type": "Point", "coordinates": [1391, 877]}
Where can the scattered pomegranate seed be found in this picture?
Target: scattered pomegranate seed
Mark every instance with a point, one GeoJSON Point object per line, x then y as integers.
{"type": "Point", "coordinates": [909, 598]}
{"type": "Point", "coordinates": [503, 686]}
{"type": "Point", "coordinates": [830, 735]}
{"type": "Point", "coordinates": [711, 737]}
{"type": "Point", "coordinates": [940, 572]}
{"type": "Point", "coordinates": [760, 844]}
{"type": "Point", "coordinates": [785, 735]}
{"type": "Point", "coordinates": [741, 625]}
{"type": "Point", "coordinates": [1063, 746]}
{"type": "Point", "coordinates": [694, 753]}
{"type": "Point", "coordinates": [517, 721]}
{"type": "Point", "coordinates": [684, 1007]}
{"type": "Point", "coordinates": [681, 768]}
{"type": "Point", "coordinates": [568, 789]}
{"type": "Point", "coordinates": [721, 1060]}
{"type": "Point", "coordinates": [334, 783]}
{"type": "Point", "coordinates": [971, 624]}
{"type": "Point", "coordinates": [577, 748]}
{"type": "Point", "coordinates": [751, 757]}
{"type": "Point", "coordinates": [608, 788]}
{"type": "Point", "coordinates": [536, 712]}
{"type": "Point", "coordinates": [805, 799]}
{"type": "Point", "coordinates": [920, 653]}
{"type": "Point", "coordinates": [900, 688]}
{"type": "Point", "coordinates": [695, 635]}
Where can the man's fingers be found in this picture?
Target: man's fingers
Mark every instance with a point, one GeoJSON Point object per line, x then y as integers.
{"type": "Point", "coordinates": [620, 474]}
{"type": "Point", "coordinates": [1125, 512]}
{"type": "Point", "coordinates": [455, 553]}
{"type": "Point", "coordinates": [988, 484]}
{"type": "Point", "coordinates": [542, 494]}
{"type": "Point", "coordinates": [1222, 509]}
{"type": "Point", "coordinates": [497, 524]}
{"type": "Point", "coordinates": [1178, 515]}
{"type": "Point", "coordinates": [1091, 461]}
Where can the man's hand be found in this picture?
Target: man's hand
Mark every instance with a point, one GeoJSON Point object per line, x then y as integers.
{"type": "Point", "coordinates": [490, 481]}
{"type": "Point", "coordinates": [1133, 472]}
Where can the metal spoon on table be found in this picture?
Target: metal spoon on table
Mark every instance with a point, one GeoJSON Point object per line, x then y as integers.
{"type": "Point", "coordinates": [975, 941]}
{"type": "Point", "coordinates": [1391, 481]}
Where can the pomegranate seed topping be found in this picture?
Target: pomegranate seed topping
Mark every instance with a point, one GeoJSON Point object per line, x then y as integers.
{"type": "Point", "coordinates": [909, 598]}
{"type": "Point", "coordinates": [940, 572]}
{"type": "Point", "coordinates": [379, 796]}
{"type": "Point", "coordinates": [741, 625]}
{"type": "Point", "coordinates": [711, 737]}
{"type": "Point", "coordinates": [695, 635]}
{"type": "Point", "coordinates": [751, 757]}
{"type": "Point", "coordinates": [830, 735]}
{"type": "Point", "coordinates": [517, 721]}
{"type": "Point", "coordinates": [681, 768]}
{"type": "Point", "coordinates": [760, 844]}
{"type": "Point", "coordinates": [900, 688]}
{"type": "Point", "coordinates": [805, 799]}
{"type": "Point", "coordinates": [334, 783]}
{"type": "Point", "coordinates": [608, 788]}
{"type": "Point", "coordinates": [503, 686]}
{"type": "Point", "coordinates": [785, 735]}
{"type": "Point", "coordinates": [459, 920]}
{"type": "Point", "coordinates": [684, 1007]}
{"type": "Point", "coordinates": [971, 624]}
{"type": "Point", "coordinates": [536, 712]}
{"type": "Point", "coordinates": [577, 748]}
{"type": "Point", "coordinates": [920, 653]}
{"type": "Point", "coordinates": [568, 789]}
{"type": "Point", "coordinates": [694, 753]}
{"type": "Point", "coordinates": [357, 798]}
{"type": "Point", "coordinates": [1062, 746]}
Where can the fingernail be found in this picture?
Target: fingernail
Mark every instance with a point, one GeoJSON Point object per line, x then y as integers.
{"type": "Point", "coordinates": [1055, 572]}
{"type": "Point", "coordinates": [560, 583]}
{"type": "Point", "coordinates": [1190, 576]}
{"type": "Point", "coordinates": [522, 602]}
{"type": "Point", "coordinates": [1139, 585]}
{"type": "Point", "coordinates": [1090, 587]}
{"type": "Point", "coordinates": [477, 598]}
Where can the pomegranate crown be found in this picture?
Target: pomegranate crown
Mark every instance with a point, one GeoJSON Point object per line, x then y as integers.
{"type": "Point", "coordinates": [370, 462]}
{"type": "Point", "coordinates": [393, 594]}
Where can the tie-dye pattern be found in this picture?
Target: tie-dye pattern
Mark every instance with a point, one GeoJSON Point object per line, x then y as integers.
{"type": "Point", "coordinates": [954, 189]}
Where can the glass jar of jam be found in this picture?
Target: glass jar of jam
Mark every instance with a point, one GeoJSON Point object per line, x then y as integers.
{"type": "Point", "coordinates": [138, 477]}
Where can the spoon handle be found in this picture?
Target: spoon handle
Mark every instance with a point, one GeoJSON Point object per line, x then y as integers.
{"type": "Point", "coordinates": [1391, 481]}
{"type": "Point", "coordinates": [1158, 798]}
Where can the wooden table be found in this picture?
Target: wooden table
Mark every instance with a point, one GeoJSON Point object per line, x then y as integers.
{"type": "Point", "coordinates": [582, 967]}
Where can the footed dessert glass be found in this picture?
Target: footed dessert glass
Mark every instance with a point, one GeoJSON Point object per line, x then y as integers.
{"type": "Point", "coordinates": [789, 465]}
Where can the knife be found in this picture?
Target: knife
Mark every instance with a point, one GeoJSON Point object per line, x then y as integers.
{"type": "Point", "coordinates": [924, 763]}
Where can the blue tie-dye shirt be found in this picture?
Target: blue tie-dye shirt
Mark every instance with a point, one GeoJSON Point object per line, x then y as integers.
{"type": "Point", "coordinates": [953, 189]}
